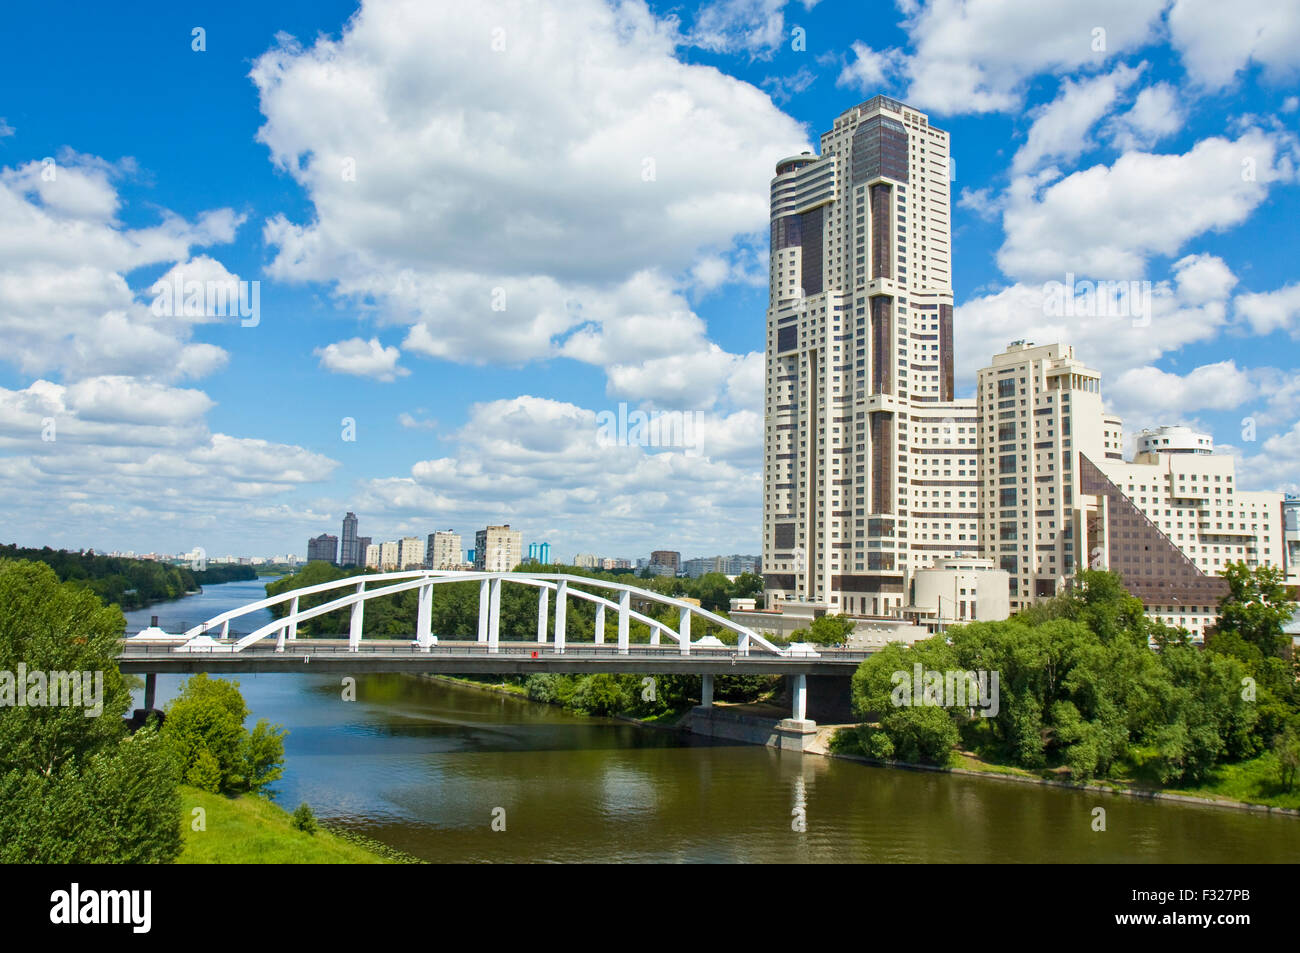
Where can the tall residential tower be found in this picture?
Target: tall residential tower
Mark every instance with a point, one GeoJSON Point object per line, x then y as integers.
{"type": "Point", "coordinates": [870, 466]}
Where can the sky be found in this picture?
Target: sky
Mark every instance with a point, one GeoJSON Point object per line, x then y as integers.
{"type": "Point", "coordinates": [472, 237]}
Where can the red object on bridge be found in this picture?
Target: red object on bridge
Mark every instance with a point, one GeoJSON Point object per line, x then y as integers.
{"type": "Point", "coordinates": [534, 654]}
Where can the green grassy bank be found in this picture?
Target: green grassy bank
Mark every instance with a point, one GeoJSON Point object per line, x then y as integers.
{"type": "Point", "coordinates": [252, 830]}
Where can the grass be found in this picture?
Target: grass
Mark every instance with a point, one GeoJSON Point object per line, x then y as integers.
{"type": "Point", "coordinates": [252, 830]}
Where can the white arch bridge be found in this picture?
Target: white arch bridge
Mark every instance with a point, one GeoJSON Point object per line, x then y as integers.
{"type": "Point", "coordinates": [217, 646]}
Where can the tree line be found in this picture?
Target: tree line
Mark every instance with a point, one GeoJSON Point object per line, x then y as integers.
{"type": "Point", "coordinates": [124, 581]}
{"type": "Point", "coordinates": [1083, 694]}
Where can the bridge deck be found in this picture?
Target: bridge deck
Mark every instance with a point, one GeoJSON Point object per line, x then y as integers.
{"type": "Point", "coordinates": [473, 658]}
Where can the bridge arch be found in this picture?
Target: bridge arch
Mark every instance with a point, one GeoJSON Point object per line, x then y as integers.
{"type": "Point", "coordinates": [489, 616]}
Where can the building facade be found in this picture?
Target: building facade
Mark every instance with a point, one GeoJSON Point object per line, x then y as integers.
{"type": "Point", "coordinates": [323, 547]}
{"type": "Point", "coordinates": [667, 558]}
{"type": "Point", "coordinates": [373, 555]}
{"type": "Point", "coordinates": [443, 551]}
{"type": "Point", "coordinates": [865, 449]}
{"type": "Point", "coordinates": [498, 549]}
{"type": "Point", "coordinates": [410, 552]}
{"type": "Point", "coordinates": [875, 474]}
{"type": "Point", "coordinates": [349, 555]}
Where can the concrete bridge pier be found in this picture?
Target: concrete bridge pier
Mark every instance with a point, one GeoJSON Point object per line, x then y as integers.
{"type": "Point", "coordinates": [706, 691]}
{"type": "Point", "coordinates": [150, 689]}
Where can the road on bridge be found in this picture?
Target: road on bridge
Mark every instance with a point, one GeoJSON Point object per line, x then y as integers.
{"type": "Point", "coordinates": [474, 658]}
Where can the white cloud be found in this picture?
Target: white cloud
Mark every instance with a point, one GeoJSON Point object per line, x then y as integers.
{"type": "Point", "coordinates": [1269, 311]}
{"type": "Point", "coordinates": [362, 359]}
{"type": "Point", "coordinates": [1155, 114]}
{"type": "Point", "coordinates": [1144, 395]}
{"type": "Point", "coordinates": [1217, 40]}
{"type": "Point", "coordinates": [65, 304]}
{"type": "Point", "coordinates": [509, 206]}
{"type": "Point", "coordinates": [977, 56]}
{"type": "Point", "coordinates": [1061, 127]}
{"type": "Point", "coordinates": [530, 459]}
{"type": "Point", "coordinates": [1189, 307]}
{"type": "Point", "coordinates": [1107, 221]}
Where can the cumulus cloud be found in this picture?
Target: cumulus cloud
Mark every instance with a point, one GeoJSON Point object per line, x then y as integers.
{"type": "Point", "coordinates": [468, 197]}
{"type": "Point", "coordinates": [535, 462]}
{"type": "Point", "coordinates": [362, 359]}
{"type": "Point", "coordinates": [1060, 129]}
{"type": "Point", "coordinates": [1218, 40]}
{"type": "Point", "coordinates": [1107, 221]}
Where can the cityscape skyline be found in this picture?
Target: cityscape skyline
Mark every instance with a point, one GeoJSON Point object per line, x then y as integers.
{"type": "Point", "coordinates": [611, 319]}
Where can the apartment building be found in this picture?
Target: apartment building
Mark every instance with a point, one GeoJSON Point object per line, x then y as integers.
{"type": "Point", "coordinates": [410, 552]}
{"type": "Point", "coordinates": [870, 465]}
{"type": "Point", "coordinates": [389, 556]}
{"type": "Point", "coordinates": [443, 551]}
{"type": "Point", "coordinates": [498, 549]}
{"type": "Point", "coordinates": [874, 473]}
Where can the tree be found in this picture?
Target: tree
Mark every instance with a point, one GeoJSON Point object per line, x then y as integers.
{"type": "Point", "coordinates": [205, 723]}
{"type": "Point", "coordinates": [1256, 607]}
{"type": "Point", "coordinates": [831, 629]}
{"type": "Point", "coordinates": [1286, 747]}
{"type": "Point", "coordinates": [76, 789]}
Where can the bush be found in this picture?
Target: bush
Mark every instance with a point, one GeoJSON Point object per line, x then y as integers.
{"type": "Point", "coordinates": [303, 819]}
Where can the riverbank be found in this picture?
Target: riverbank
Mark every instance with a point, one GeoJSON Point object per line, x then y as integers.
{"type": "Point", "coordinates": [971, 766]}
{"type": "Point", "coordinates": [253, 830]}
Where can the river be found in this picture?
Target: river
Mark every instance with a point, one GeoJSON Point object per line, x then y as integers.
{"type": "Point", "coordinates": [424, 766]}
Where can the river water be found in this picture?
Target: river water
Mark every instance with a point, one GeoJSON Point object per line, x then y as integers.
{"type": "Point", "coordinates": [426, 766]}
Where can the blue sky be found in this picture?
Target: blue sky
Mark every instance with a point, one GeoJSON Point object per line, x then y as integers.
{"type": "Point", "coordinates": [477, 227]}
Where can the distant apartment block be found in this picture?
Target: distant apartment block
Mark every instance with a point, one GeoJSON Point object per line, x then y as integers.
{"type": "Point", "coordinates": [443, 551]}
{"type": "Point", "coordinates": [539, 553]}
{"type": "Point", "coordinates": [586, 561]}
{"type": "Point", "coordinates": [373, 555]}
{"type": "Point", "coordinates": [410, 552]}
{"type": "Point", "coordinates": [324, 548]}
{"type": "Point", "coordinates": [390, 556]}
{"type": "Point", "coordinates": [498, 549]}
{"type": "Point", "coordinates": [733, 565]}
{"type": "Point", "coordinates": [667, 558]}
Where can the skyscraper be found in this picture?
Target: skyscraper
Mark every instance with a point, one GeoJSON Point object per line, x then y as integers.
{"type": "Point", "coordinates": [870, 466]}
{"type": "Point", "coordinates": [348, 555]}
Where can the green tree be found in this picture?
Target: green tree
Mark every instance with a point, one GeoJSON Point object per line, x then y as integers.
{"type": "Point", "coordinates": [1256, 607]}
{"type": "Point", "coordinates": [205, 723]}
{"type": "Point", "coordinates": [76, 789]}
{"type": "Point", "coordinates": [1286, 747]}
{"type": "Point", "coordinates": [831, 629]}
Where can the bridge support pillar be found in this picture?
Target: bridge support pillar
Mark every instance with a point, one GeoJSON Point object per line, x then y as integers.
{"type": "Point", "coordinates": [494, 614]}
{"type": "Point", "coordinates": [684, 629]}
{"type": "Point", "coordinates": [655, 632]}
{"type": "Point", "coordinates": [280, 637]}
{"type": "Point", "coordinates": [542, 594]}
{"type": "Point", "coordinates": [293, 620]}
{"type": "Point", "coordinates": [358, 616]}
{"type": "Point", "coordinates": [600, 624]}
{"type": "Point", "coordinates": [150, 689]}
{"type": "Point", "coordinates": [706, 691]}
{"type": "Point", "coordinates": [561, 604]}
{"type": "Point", "coordinates": [799, 696]}
{"type": "Point", "coordinates": [424, 618]}
{"type": "Point", "coordinates": [483, 611]}
{"type": "Point", "coordinates": [624, 605]}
